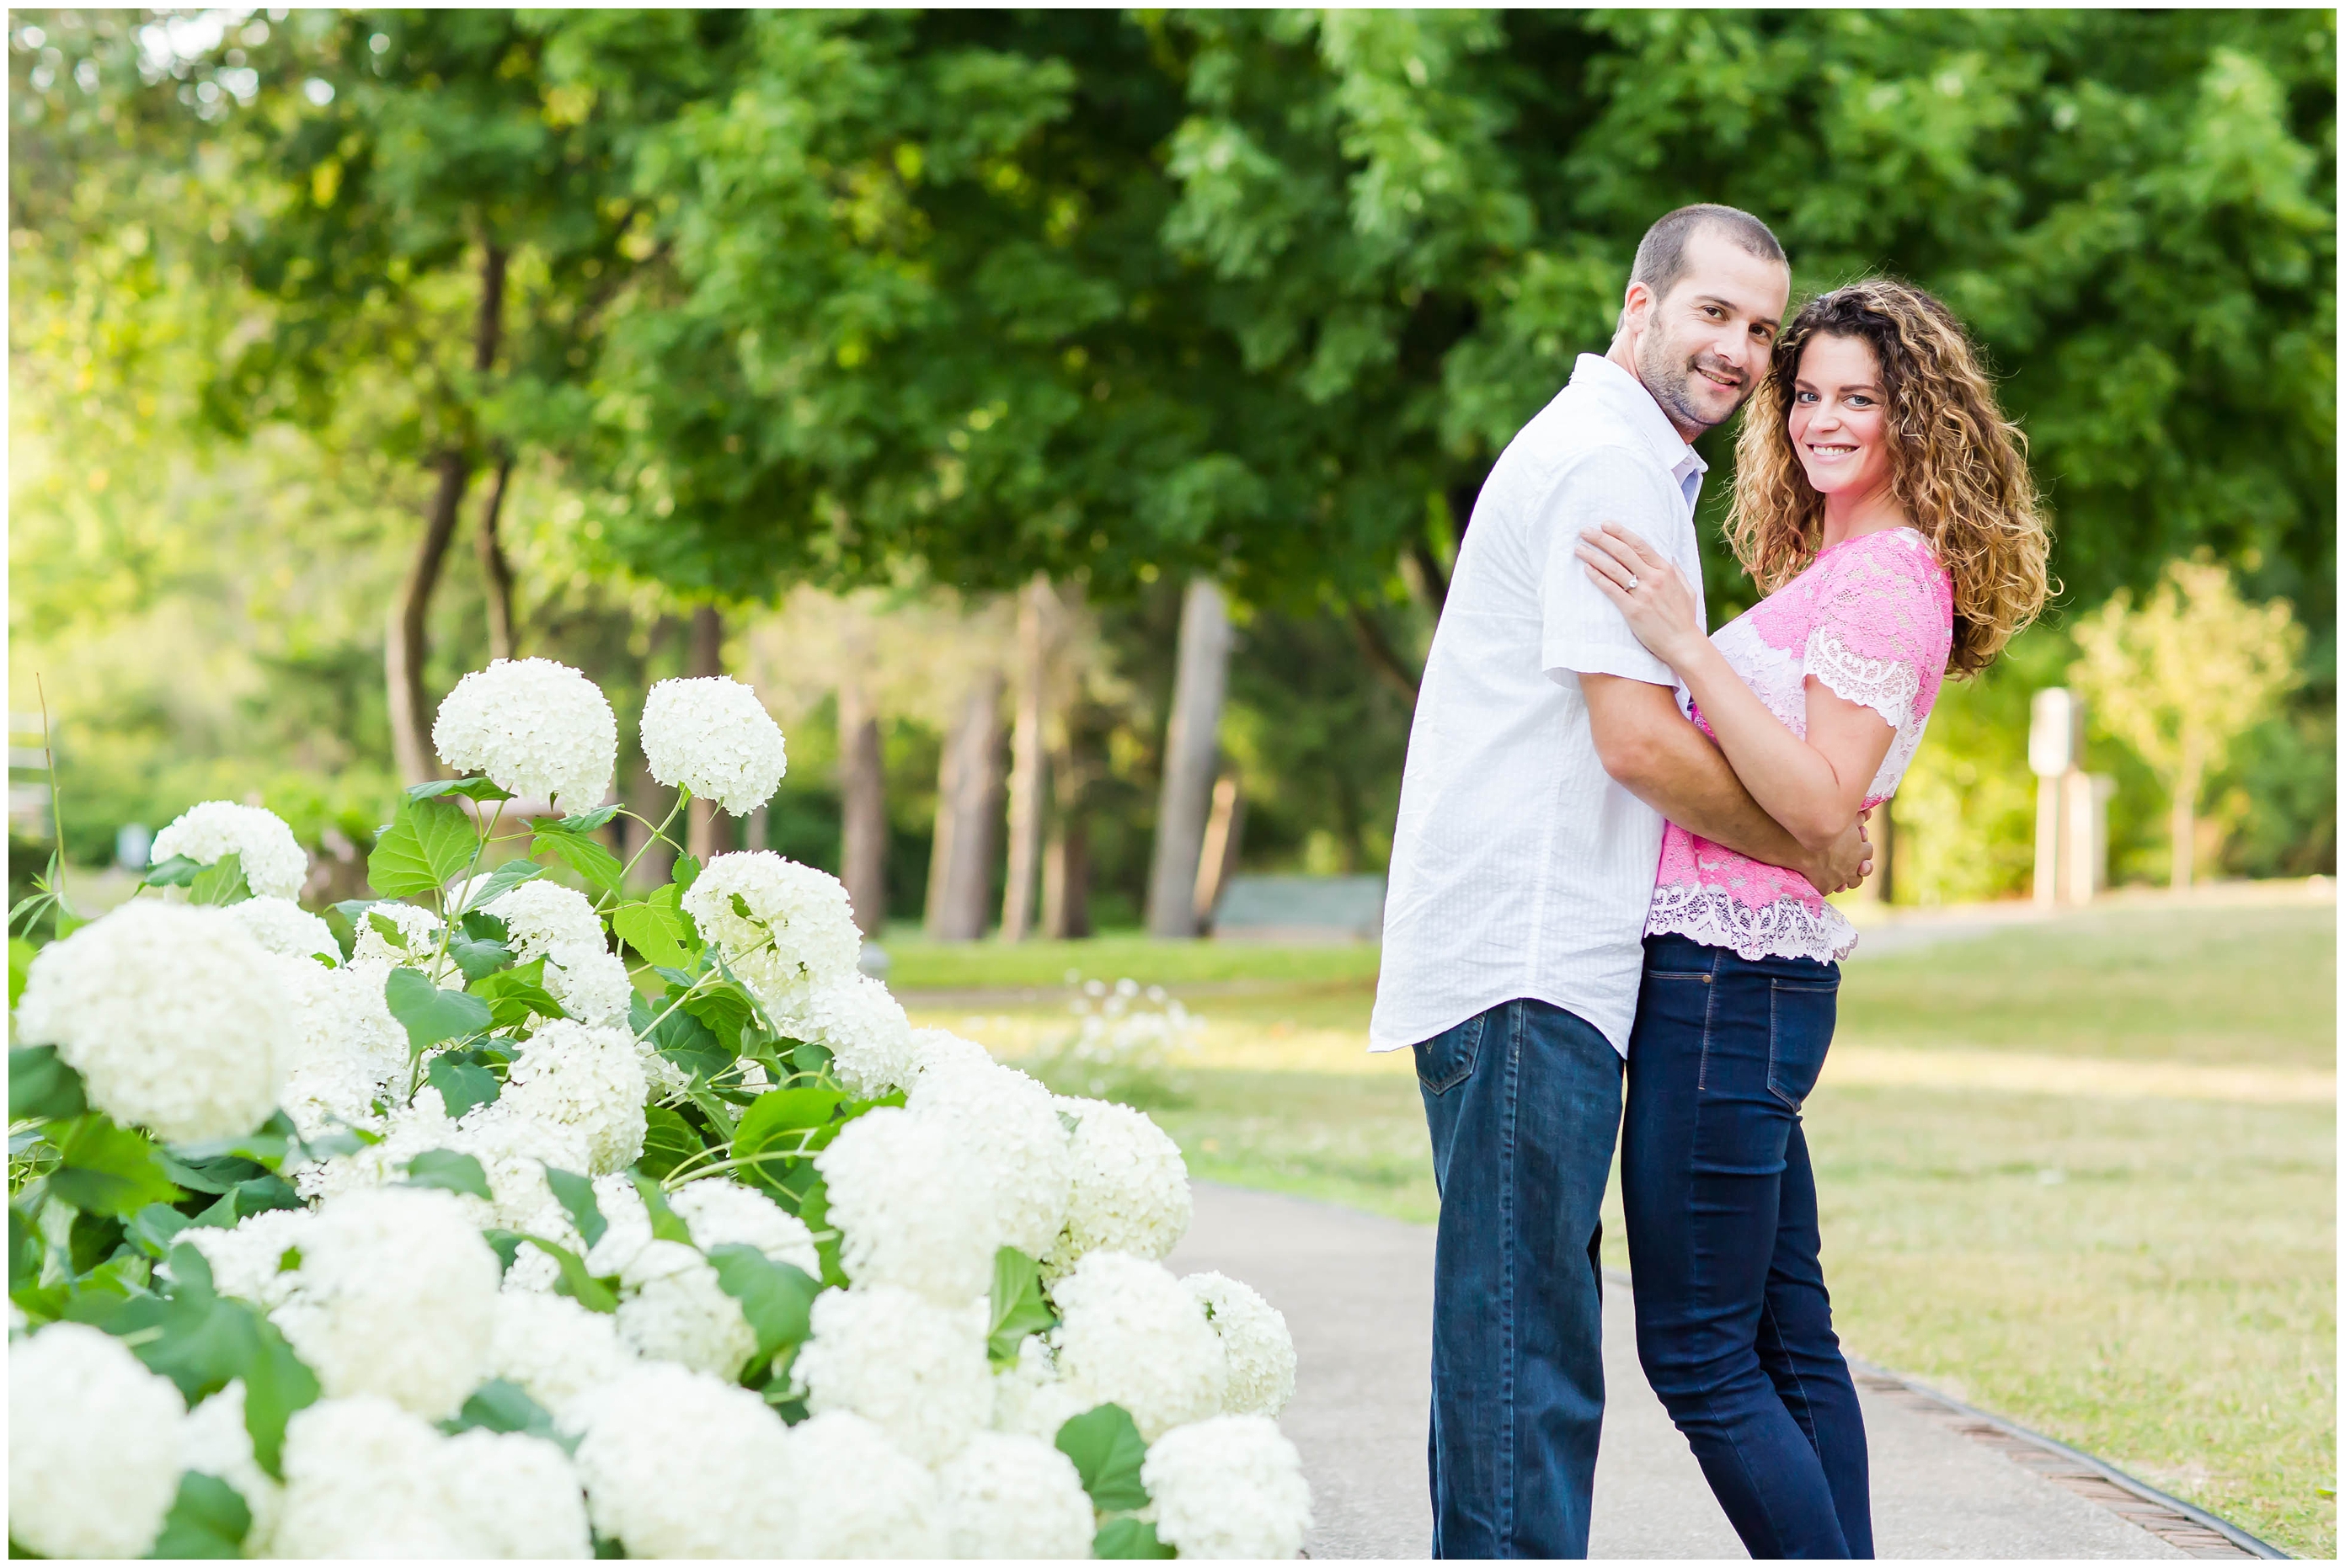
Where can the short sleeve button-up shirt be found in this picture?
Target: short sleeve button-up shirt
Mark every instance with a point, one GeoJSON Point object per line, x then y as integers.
{"type": "Point", "coordinates": [1519, 868]}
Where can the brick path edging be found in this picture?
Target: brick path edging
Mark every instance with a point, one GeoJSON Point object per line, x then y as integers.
{"type": "Point", "coordinates": [2193, 1530]}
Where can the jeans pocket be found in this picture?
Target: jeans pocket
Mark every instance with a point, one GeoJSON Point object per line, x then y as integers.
{"type": "Point", "coordinates": [1799, 1031]}
{"type": "Point", "coordinates": [1447, 1060]}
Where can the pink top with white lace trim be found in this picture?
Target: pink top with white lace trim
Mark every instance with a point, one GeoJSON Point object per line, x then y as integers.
{"type": "Point", "coordinates": [1873, 619]}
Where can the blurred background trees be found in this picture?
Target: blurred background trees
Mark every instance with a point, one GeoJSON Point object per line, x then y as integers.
{"type": "Point", "coordinates": [805, 345]}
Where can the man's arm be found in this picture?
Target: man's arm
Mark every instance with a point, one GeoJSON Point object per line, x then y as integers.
{"type": "Point", "coordinates": [1656, 754]}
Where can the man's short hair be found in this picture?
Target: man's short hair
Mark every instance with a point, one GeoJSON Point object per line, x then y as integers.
{"type": "Point", "coordinates": [1660, 254]}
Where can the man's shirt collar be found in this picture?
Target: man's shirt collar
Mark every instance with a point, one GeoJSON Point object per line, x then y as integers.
{"type": "Point", "coordinates": [1622, 390]}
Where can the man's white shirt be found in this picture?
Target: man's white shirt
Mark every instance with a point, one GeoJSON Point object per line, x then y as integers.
{"type": "Point", "coordinates": [1519, 869]}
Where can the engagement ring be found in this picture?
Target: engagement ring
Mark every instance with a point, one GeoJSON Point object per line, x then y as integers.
{"type": "Point", "coordinates": [1633, 583]}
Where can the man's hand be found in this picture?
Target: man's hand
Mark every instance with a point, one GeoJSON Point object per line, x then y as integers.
{"type": "Point", "coordinates": [1846, 863]}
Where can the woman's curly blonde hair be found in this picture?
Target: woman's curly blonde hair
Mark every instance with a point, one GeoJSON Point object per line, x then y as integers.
{"type": "Point", "coordinates": [1958, 466]}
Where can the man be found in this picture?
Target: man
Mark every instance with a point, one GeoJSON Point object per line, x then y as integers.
{"type": "Point", "coordinates": [1547, 749]}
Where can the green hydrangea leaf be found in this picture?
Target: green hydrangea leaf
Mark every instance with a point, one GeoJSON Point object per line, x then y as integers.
{"type": "Point", "coordinates": [445, 1168]}
{"type": "Point", "coordinates": [516, 996]}
{"type": "Point", "coordinates": [1107, 1450]}
{"type": "Point", "coordinates": [776, 1298]}
{"type": "Point", "coordinates": [654, 932]}
{"type": "Point", "coordinates": [430, 1015]}
{"type": "Point", "coordinates": [588, 821]}
{"type": "Point", "coordinates": [499, 1406]}
{"type": "Point", "coordinates": [668, 1141]}
{"type": "Point", "coordinates": [667, 1225]}
{"type": "Point", "coordinates": [427, 844]}
{"type": "Point", "coordinates": [41, 1087]}
{"type": "Point", "coordinates": [1129, 1538]}
{"type": "Point", "coordinates": [177, 872]}
{"type": "Point", "coordinates": [475, 789]}
{"type": "Point", "coordinates": [108, 1169]}
{"type": "Point", "coordinates": [1019, 1307]}
{"type": "Point", "coordinates": [208, 1518]}
{"type": "Point", "coordinates": [221, 882]}
{"type": "Point", "coordinates": [502, 881]}
{"type": "Point", "coordinates": [590, 1291]}
{"type": "Point", "coordinates": [151, 1230]}
{"type": "Point", "coordinates": [582, 853]}
{"type": "Point", "coordinates": [577, 1193]}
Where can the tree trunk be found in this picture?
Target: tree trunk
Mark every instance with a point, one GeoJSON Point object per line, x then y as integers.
{"type": "Point", "coordinates": [1037, 607]}
{"type": "Point", "coordinates": [1219, 861]}
{"type": "Point", "coordinates": [406, 645]}
{"type": "Point", "coordinates": [1383, 658]}
{"type": "Point", "coordinates": [960, 870]}
{"type": "Point", "coordinates": [1192, 751]}
{"type": "Point", "coordinates": [707, 831]}
{"type": "Point", "coordinates": [1067, 879]}
{"type": "Point", "coordinates": [496, 574]}
{"type": "Point", "coordinates": [646, 797]}
{"type": "Point", "coordinates": [863, 802]}
{"type": "Point", "coordinates": [2182, 822]}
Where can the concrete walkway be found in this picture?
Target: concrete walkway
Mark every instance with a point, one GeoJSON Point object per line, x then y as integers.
{"type": "Point", "coordinates": [1357, 1293]}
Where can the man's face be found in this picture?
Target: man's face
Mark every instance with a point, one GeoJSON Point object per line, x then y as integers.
{"type": "Point", "coordinates": [1702, 350]}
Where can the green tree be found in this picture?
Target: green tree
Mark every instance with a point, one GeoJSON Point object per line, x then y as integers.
{"type": "Point", "coordinates": [2181, 677]}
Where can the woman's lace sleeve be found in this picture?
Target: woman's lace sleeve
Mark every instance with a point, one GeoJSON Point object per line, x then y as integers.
{"type": "Point", "coordinates": [1884, 627]}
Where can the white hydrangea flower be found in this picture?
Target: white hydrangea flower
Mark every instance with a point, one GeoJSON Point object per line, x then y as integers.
{"type": "Point", "coordinates": [721, 1213]}
{"type": "Point", "coordinates": [94, 1462]}
{"type": "Point", "coordinates": [1008, 1496]}
{"type": "Point", "coordinates": [513, 1151]}
{"type": "Point", "coordinates": [176, 1019]}
{"type": "Point", "coordinates": [866, 1497]}
{"type": "Point", "coordinates": [546, 920]}
{"type": "Point", "coordinates": [714, 737]}
{"type": "Point", "coordinates": [514, 1495]}
{"type": "Point", "coordinates": [537, 728]}
{"type": "Point", "coordinates": [275, 864]}
{"type": "Point", "coordinates": [581, 1077]}
{"type": "Point", "coordinates": [937, 1049]}
{"type": "Point", "coordinates": [798, 933]}
{"type": "Point", "coordinates": [1031, 1398]}
{"type": "Point", "coordinates": [914, 1208]}
{"type": "Point", "coordinates": [419, 930]}
{"type": "Point", "coordinates": [1231, 1487]}
{"type": "Point", "coordinates": [554, 1349]}
{"type": "Point", "coordinates": [627, 1224]}
{"type": "Point", "coordinates": [396, 1296]}
{"type": "Point", "coordinates": [1261, 1352]}
{"type": "Point", "coordinates": [865, 1032]}
{"type": "Point", "coordinates": [675, 1310]}
{"type": "Point", "coordinates": [916, 1369]}
{"type": "Point", "coordinates": [1134, 1336]}
{"type": "Point", "coordinates": [540, 913]}
{"type": "Point", "coordinates": [590, 981]}
{"type": "Point", "coordinates": [214, 1441]}
{"type": "Point", "coordinates": [249, 1260]}
{"type": "Point", "coordinates": [350, 1053]}
{"type": "Point", "coordinates": [677, 1464]}
{"type": "Point", "coordinates": [364, 1478]}
{"type": "Point", "coordinates": [285, 927]}
{"type": "Point", "coordinates": [1131, 1192]}
{"type": "Point", "coordinates": [1010, 1124]}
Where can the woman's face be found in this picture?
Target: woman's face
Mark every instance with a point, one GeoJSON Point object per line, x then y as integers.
{"type": "Point", "coordinates": [1840, 416]}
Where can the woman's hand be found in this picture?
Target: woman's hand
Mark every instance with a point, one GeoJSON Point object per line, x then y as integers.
{"type": "Point", "coordinates": [1661, 610]}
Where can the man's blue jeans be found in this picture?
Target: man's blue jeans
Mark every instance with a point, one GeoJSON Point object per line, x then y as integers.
{"type": "Point", "coordinates": [1523, 1102]}
{"type": "Point", "coordinates": [1734, 1322]}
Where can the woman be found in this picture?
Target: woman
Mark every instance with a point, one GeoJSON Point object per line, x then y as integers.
{"type": "Point", "coordinates": [1883, 504]}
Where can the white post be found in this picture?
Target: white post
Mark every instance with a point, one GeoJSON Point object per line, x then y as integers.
{"type": "Point", "coordinates": [2054, 720]}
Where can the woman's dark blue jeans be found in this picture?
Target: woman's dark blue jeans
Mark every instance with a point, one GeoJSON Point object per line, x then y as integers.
{"type": "Point", "coordinates": [1734, 1323]}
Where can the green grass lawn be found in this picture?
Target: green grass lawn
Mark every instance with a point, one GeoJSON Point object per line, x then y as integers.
{"type": "Point", "coordinates": [2152, 1279]}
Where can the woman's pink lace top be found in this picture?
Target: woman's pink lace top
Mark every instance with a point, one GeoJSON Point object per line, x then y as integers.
{"type": "Point", "coordinates": [1873, 619]}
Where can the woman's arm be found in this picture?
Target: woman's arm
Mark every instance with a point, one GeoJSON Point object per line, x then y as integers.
{"type": "Point", "coordinates": [1815, 787]}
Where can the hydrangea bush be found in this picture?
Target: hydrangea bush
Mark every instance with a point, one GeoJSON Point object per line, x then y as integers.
{"type": "Point", "coordinates": [516, 1212]}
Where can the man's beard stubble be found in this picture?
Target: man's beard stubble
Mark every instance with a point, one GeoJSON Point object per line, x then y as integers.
{"type": "Point", "coordinates": [1668, 375]}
